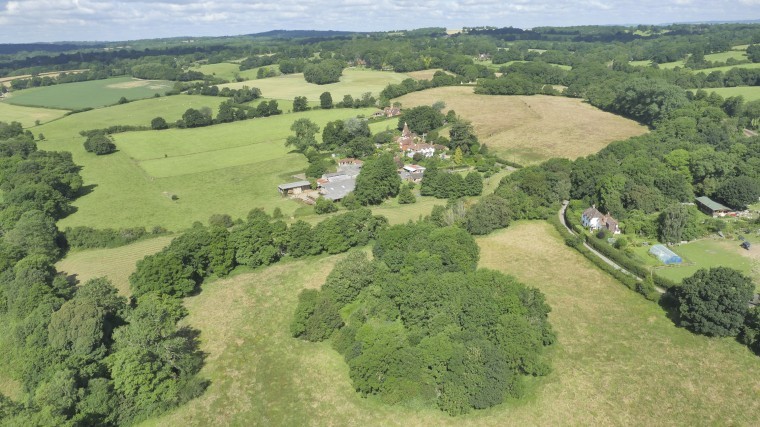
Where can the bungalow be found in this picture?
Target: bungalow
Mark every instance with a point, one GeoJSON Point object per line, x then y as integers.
{"type": "Point", "coordinates": [411, 173]}
{"type": "Point", "coordinates": [294, 187]}
{"type": "Point", "coordinates": [713, 208]}
{"type": "Point", "coordinates": [595, 220]}
{"type": "Point", "coordinates": [414, 168]}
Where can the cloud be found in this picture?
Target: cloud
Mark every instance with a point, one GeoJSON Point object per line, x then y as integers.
{"type": "Point", "coordinates": [49, 20]}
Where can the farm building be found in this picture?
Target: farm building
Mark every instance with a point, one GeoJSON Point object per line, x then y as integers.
{"type": "Point", "coordinates": [665, 255]}
{"type": "Point", "coordinates": [294, 187]}
{"type": "Point", "coordinates": [713, 208]}
{"type": "Point", "coordinates": [595, 220]}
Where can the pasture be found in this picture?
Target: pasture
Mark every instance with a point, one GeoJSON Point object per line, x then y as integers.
{"type": "Point", "coordinates": [115, 263]}
{"type": "Point", "coordinates": [230, 168]}
{"type": "Point", "coordinates": [354, 82]}
{"type": "Point", "coordinates": [619, 359]}
{"type": "Point", "coordinates": [531, 129]}
{"type": "Point", "coordinates": [27, 116]}
{"type": "Point", "coordinates": [229, 71]}
{"type": "Point", "coordinates": [90, 94]}
{"type": "Point", "coordinates": [750, 93]}
{"type": "Point", "coordinates": [136, 113]}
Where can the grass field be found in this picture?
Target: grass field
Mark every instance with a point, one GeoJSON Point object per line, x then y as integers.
{"type": "Point", "coordinates": [27, 116]}
{"type": "Point", "coordinates": [116, 264]}
{"type": "Point", "coordinates": [707, 253]}
{"type": "Point", "coordinates": [750, 93]}
{"type": "Point", "coordinates": [729, 67]}
{"type": "Point", "coordinates": [619, 360]}
{"type": "Point", "coordinates": [530, 129]}
{"type": "Point", "coordinates": [227, 71]}
{"type": "Point", "coordinates": [96, 93]}
{"type": "Point", "coordinates": [230, 168]}
{"type": "Point", "coordinates": [136, 113]}
{"type": "Point", "coordinates": [354, 82]}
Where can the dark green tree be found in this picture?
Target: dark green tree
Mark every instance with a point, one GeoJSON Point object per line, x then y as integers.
{"type": "Point", "coordinates": [300, 104]}
{"type": "Point", "coordinates": [377, 181]}
{"type": "Point", "coordinates": [159, 123]}
{"type": "Point", "coordinates": [714, 302]}
{"type": "Point", "coordinates": [738, 192]}
{"type": "Point", "coordinates": [325, 101]}
{"type": "Point", "coordinates": [405, 196]}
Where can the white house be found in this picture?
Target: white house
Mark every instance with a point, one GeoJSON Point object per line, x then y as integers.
{"type": "Point", "coordinates": [595, 220]}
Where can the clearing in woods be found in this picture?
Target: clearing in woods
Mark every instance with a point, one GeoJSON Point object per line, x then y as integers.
{"type": "Point", "coordinates": [354, 82]}
{"type": "Point", "coordinates": [115, 263]}
{"type": "Point", "coordinates": [228, 71]}
{"type": "Point", "coordinates": [750, 93]}
{"type": "Point", "coordinates": [531, 129]}
{"type": "Point", "coordinates": [90, 94]}
{"type": "Point", "coordinates": [619, 360]}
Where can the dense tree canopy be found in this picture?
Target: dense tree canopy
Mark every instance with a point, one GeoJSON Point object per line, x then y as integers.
{"type": "Point", "coordinates": [460, 340]}
{"type": "Point", "coordinates": [377, 181]}
{"type": "Point", "coordinates": [714, 302]}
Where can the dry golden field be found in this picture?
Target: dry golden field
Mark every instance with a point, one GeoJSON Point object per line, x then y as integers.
{"type": "Point", "coordinates": [531, 129]}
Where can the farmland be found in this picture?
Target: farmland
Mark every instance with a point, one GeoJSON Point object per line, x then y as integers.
{"type": "Point", "coordinates": [609, 339]}
{"type": "Point", "coordinates": [229, 168]}
{"type": "Point", "coordinates": [116, 264]}
{"type": "Point", "coordinates": [530, 129]}
{"type": "Point", "coordinates": [750, 93]}
{"type": "Point", "coordinates": [27, 116]}
{"type": "Point", "coordinates": [90, 94]}
{"type": "Point", "coordinates": [354, 82]}
{"type": "Point", "coordinates": [229, 71]}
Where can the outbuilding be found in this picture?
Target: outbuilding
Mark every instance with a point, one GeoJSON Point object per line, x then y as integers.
{"type": "Point", "coordinates": [713, 208]}
{"type": "Point", "coordinates": [294, 187]}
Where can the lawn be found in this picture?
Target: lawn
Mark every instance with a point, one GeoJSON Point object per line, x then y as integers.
{"type": "Point", "coordinates": [619, 360]}
{"type": "Point", "coordinates": [354, 82]}
{"type": "Point", "coordinates": [116, 264]}
{"type": "Point", "coordinates": [531, 129]}
{"type": "Point", "coordinates": [27, 116]}
{"type": "Point", "coordinates": [230, 168]}
{"type": "Point", "coordinates": [707, 253]}
{"type": "Point", "coordinates": [750, 93]}
{"type": "Point", "coordinates": [90, 94]}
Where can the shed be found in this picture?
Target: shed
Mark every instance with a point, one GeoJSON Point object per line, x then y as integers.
{"type": "Point", "coordinates": [712, 208]}
{"type": "Point", "coordinates": [294, 187]}
{"type": "Point", "coordinates": [665, 255]}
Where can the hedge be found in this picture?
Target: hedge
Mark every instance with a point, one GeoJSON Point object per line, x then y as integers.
{"type": "Point", "coordinates": [644, 288]}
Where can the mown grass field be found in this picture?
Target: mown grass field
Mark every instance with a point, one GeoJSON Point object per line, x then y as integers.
{"type": "Point", "coordinates": [531, 129]}
{"type": "Point", "coordinates": [708, 253]}
{"type": "Point", "coordinates": [116, 264]}
{"type": "Point", "coordinates": [230, 168]}
{"type": "Point", "coordinates": [91, 94]}
{"type": "Point", "coordinates": [619, 360]}
{"type": "Point", "coordinates": [750, 93]}
{"type": "Point", "coordinates": [27, 116]}
{"type": "Point", "coordinates": [354, 82]}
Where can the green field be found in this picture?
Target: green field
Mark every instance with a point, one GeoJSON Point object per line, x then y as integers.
{"type": "Point", "coordinates": [228, 71]}
{"type": "Point", "coordinates": [750, 65]}
{"type": "Point", "coordinates": [91, 94]}
{"type": "Point", "coordinates": [707, 253]}
{"type": "Point", "coordinates": [116, 264]}
{"type": "Point", "coordinates": [750, 93]}
{"type": "Point", "coordinates": [27, 116]}
{"type": "Point", "coordinates": [136, 113]}
{"type": "Point", "coordinates": [619, 359]}
{"type": "Point", "coordinates": [354, 82]}
{"type": "Point", "coordinates": [230, 168]}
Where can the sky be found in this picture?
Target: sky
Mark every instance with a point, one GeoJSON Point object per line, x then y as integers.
{"type": "Point", "coordinates": [27, 21]}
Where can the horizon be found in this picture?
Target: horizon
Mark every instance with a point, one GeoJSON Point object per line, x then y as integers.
{"type": "Point", "coordinates": [56, 21]}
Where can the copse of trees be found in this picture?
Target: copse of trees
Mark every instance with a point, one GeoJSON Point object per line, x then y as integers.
{"type": "Point", "coordinates": [714, 302]}
{"type": "Point", "coordinates": [99, 144]}
{"type": "Point", "coordinates": [327, 71]}
{"type": "Point", "coordinates": [488, 330]}
{"type": "Point", "coordinates": [444, 185]}
{"type": "Point", "coordinates": [422, 119]}
{"type": "Point", "coordinates": [378, 181]}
